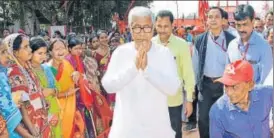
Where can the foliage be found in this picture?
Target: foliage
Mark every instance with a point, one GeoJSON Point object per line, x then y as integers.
{"type": "Point", "coordinates": [76, 13]}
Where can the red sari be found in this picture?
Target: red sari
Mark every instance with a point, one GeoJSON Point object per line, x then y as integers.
{"type": "Point", "coordinates": [23, 80]}
{"type": "Point", "coordinates": [103, 64]}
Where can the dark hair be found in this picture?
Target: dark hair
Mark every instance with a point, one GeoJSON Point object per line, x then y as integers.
{"type": "Point", "coordinates": [92, 37]}
{"type": "Point", "coordinates": [165, 13]}
{"type": "Point", "coordinates": [17, 42]}
{"type": "Point", "coordinates": [225, 15]}
{"type": "Point", "coordinates": [218, 8]}
{"type": "Point", "coordinates": [270, 12]}
{"type": "Point", "coordinates": [6, 29]}
{"type": "Point", "coordinates": [36, 43]}
{"type": "Point", "coordinates": [54, 41]}
{"type": "Point", "coordinates": [73, 42]}
{"type": "Point", "coordinates": [243, 11]}
{"type": "Point", "coordinates": [58, 32]}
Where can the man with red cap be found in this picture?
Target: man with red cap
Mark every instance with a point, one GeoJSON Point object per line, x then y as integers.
{"type": "Point", "coordinates": [243, 111]}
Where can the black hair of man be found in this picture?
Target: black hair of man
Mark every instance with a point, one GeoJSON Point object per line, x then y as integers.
{"type": "Point", "coordinates": [165, 13]}
{"type": "Point", "coordinates": [244, 11]}
{"type": "Point", "coordinates": [225, 15]}
{"type": "Point", "coordinates": [217, 8]}
{"type": "Point", "coordinates": [6, 29]}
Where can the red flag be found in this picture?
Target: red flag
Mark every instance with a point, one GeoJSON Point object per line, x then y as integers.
{"type": "Point", "coordinates": [203, 7]}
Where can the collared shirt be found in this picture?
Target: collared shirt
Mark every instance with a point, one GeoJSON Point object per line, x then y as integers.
{"type": "Point", "coordinates": [216, 58]}
{"type": "Point", "coordinates": [259, 54]}
{"type": "Point", "coordinates": [229, 121]}
{"type": "Point", "coordinates": [141, 108]}
{"type": "Point", "coordinates": [180, 50]}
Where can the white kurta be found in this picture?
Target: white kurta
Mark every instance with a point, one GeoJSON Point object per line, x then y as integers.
{"type": "Point", "coordinates": [141, 109]}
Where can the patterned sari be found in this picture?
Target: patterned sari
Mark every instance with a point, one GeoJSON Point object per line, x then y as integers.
{"type": "Point", "coordinates": [8, 108]}
{"type": "Point", "coordinates": [47, 80]}
{"type": "Point", "coordinates": [103, 64]}
{"type": "Point", "coordinates": [24, 82]}
{"type": "Point", "coordinates": [101, 112]}
{"type": "Point", "coordinates": [72, 122]}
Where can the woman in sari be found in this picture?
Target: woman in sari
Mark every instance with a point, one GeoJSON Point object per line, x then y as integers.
{"type": "Point", "coordinates": [101, 111]}
{"type": "Point", "coordinates": [72, 123]}
{"type": "Point", "coordinates": [47, 81]}
{"type": "Point", "coordinates": [10, 114]}
{"type": "Point", "coordinates": [25, 84]}
{"type": "Point", "coordinates": [102, 54]}
{"type": "Point", "coordinates": [83, 98]}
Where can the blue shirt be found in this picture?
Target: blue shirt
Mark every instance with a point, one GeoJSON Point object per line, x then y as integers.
{"type": "Point", "coordinates": [259, 54]}
{"type": "Point", "coordinates": [189, 37]}
{"type": "Point", "coordinates": [229, 121]}
{"type": "Point", "coordinates": [216, 57]}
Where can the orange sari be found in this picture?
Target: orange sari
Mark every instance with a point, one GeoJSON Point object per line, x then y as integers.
{"type": "Point", "coordinates": [72, 122]}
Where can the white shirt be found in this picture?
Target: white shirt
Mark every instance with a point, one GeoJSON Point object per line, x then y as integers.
{"type": "Point", "coordinates": [141, 108]}
{"type": "Point", "coordinates": [233, 31]}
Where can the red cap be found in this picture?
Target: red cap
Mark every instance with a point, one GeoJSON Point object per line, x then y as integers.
{"type": "Point", "coordinates": [237, 72]}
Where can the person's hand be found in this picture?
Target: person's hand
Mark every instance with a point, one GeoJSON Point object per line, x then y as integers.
{"type": "Point", "coordinates": [188, 109]}
{"type": "Point", "coordinates": [72, 91]}
{"type": "Point", "coordinates": [4, 133]}
{"type": "Point", "coordinates": [141, 59]}
{"type": "Point", "coordinates": [48, 92]}
{"type": "Point", "coordinates": [35, 133]}
{"type": "Point", "coordinates": [54, 120]}
{"type": "Point", "coordinates": [75, 76]}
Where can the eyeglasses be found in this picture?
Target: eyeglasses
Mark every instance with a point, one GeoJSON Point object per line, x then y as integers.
{"type": "Point", "coordinates": [146, 29]}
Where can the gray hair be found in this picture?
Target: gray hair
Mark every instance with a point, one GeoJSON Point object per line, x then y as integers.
{"type": "Point", "coordinates": [139, 11]}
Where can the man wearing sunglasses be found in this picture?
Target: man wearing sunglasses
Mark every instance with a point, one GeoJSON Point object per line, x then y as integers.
{"type": "Point", "coordinates": [243, 111]}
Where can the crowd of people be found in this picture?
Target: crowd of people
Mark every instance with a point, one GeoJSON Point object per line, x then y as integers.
{"type": "Point", "coordinates": [141, 84]}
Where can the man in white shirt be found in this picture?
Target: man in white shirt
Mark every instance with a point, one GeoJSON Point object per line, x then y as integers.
{"type": "Point", "coordinates": [142, 74]}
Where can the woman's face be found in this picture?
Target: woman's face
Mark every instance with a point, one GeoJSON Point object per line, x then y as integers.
{"type": "Point", "coordinates": [76, 50]}
{"type": "Point", "coordinates": [103, 39]}
{"type": "Point", "coordinates": [4, 58]}
{"type": "Point", "coordinates": [95, 43]}
{"type": "Point", "coordinates": [39, 56]}
{"type": "Point", "coordinates": [24, 53]}
{"type": "Point", "coordinates": [59, 51]}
